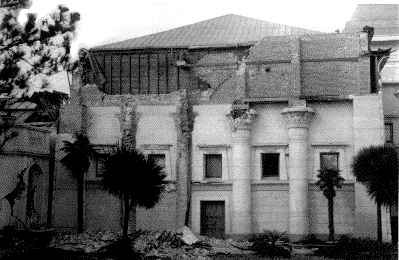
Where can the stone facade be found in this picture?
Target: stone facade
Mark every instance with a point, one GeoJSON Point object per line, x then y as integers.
{"type": "Point", "coordinates": [251, 142]}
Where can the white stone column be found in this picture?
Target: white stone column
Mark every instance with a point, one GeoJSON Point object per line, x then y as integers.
{"type": "Point", "coordinates": [241, 192]}
{"type": "Point", "coordinates": [298, 119]}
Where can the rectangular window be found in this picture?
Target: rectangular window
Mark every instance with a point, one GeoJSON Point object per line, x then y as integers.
{"type": "Point", "coordinates": [329, 161]}
{"type": "Point", "coordinates": [270, 164]}
{"type": "Point", "coordinates": [158, 158]}
{"type": "Point", "coordinates": [388, 132]}
{"type": "Point", "coordinates": [213, 165]}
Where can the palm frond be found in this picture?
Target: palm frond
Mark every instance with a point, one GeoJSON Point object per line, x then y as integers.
{"type": "Point", "coordinates": [329, 179]}
{"type": "Point", "coordinates": [78, 154]}
{"type": "Point", "coordinates": [377, 168]}
{"type": "Point", "coordinates": [128, 171]}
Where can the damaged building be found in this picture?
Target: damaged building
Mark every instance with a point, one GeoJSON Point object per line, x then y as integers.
{"type": "Point", "coordinates": [243, 114]}
{"type": "Point", "coordinates": [384, 18]}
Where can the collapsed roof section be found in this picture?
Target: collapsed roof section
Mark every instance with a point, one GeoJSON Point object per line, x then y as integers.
{"type": "Point", "coordinates": [40, 109]}
{"type": "Point", "coordinates": [285, 66]}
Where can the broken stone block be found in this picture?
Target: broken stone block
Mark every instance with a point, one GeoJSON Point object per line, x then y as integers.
{"type": "Point", "coordinates": [188, 236]}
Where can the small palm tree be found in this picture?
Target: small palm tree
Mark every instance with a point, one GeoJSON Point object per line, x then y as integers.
{"type": "Point", "coordinates": [77, 161]}
{"type": "Point", "coordinates": [376, 167]}
{"type": "Point", "coordinates": [329, 179]}
{"type": "Point", "coordinates": [133, 177]}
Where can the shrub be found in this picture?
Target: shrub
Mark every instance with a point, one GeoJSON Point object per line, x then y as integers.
{"type": "Point", "coordinates": [271, 243]}
{"type": "Point", "coordinates": [349, 247]}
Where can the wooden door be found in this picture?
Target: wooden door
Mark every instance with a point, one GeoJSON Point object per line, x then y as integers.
{"type": "Point", "coordinates": [213, 218]}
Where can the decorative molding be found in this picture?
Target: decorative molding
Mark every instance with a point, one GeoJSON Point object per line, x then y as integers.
{"type": "Point", "coordinates": [244, 121]}
{"type": "Point", "coordinates": [25, 153]}
{"type": "Point", "coordinates": [213, 146]}
{"type": "Point", "coordinates": [298, 116]}
{"type": "Point", "coordinates": [269, 185]}
{"type": "Point", "coordinates": [156, 146]}
{"type": "Point", "coordinates": [265, 145]}
{"type": "Point", "coordinates": [170, 186]}
{"type": "Point", "coordinates": [104, 148]}
{"type": "Point", "coordinates": [211, 186]}
{"type": "Point", "coordinates": [330, 144]}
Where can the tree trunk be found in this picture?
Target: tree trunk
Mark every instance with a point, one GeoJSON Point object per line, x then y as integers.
{"type": "Point", "coordinates": [126, 217]}
{"type": "Point", "coordinates": [379, 223]}
{"type": "Point", "coordinates": [80, 202]}
{"type": "Point", "coordinates": [331, 218]}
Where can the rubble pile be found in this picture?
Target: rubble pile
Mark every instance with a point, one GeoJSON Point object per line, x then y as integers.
{"type": "Point", "coordinates": [179, 244]}
{"type": "Point", "coordinates": [87, 242]}
{"type": "Point", "coordinates": [183, 244]}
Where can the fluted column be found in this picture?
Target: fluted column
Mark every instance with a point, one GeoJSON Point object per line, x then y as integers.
{"type": "Point", "coordinates": [241, 197]}
{"type": "Point", "coordinates": [298, 119]}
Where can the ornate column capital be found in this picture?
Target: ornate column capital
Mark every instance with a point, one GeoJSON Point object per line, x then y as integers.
{"type": "Point", "coordinates": [298, 116]}
{"type": "Point", "coordinates": [243, 121]}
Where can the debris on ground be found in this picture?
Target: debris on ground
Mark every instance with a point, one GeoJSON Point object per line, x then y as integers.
{"type": "Point", "coordinates": [87, 242]}
{"type": "Point", "coordinates": [167, 244]}
{"type": "Point", "coordinates": [188, 237]}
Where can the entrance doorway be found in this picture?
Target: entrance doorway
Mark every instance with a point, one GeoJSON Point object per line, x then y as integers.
{"type": "Point", "coordinates": [213, 218]}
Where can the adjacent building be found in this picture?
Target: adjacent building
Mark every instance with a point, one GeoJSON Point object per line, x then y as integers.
{"type": "Point", "coordinates": [384, 19]}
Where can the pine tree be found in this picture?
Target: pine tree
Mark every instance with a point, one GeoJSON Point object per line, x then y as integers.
{"type": "Point", "coordinates": [32, 51]}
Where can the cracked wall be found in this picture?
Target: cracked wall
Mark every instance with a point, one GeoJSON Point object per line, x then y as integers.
{"type": "Point", "coordinates": [154, 124]}
{"type": "Point", "coordinates": [290, 67]}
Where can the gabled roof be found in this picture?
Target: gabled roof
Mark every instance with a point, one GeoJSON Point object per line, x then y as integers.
{"type": "Point", "coordinates": [226, 30]}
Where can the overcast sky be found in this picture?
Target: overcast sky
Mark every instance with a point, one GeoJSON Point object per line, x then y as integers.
{"type": "Point", "coordinates": [107, 21]}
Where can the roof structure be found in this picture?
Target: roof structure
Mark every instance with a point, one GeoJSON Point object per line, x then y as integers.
{"type": "Point", "coordinates": [383, 18]}
{"type": "Point", "coordinates": [222, 31]}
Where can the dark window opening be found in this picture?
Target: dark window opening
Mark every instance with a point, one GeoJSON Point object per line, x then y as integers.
{"type": "Point", "coordinates": [329, 161]}
{"type": "Point", "coordinates": [158, 158]}
{"type": "Point", "coordinates": [213, 165]}
{"type": "Point", "coordinates": [388, 132]}
{"type": "Point", "coordinates": [374, 75]}
{"type": "Point", "coordinates": [270, 164]}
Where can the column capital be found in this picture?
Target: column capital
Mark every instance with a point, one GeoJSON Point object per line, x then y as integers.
{"type": "Point", "coordinates": [242, 122]}
{"type": "Point", "coordinates": [298, 116]}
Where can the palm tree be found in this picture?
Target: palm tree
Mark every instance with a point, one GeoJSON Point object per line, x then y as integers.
{"type": "Point", "coordinates": [133, 177]}
{"type": "Point", "coordinates": [77, 160]}
{"type": "Point", "coordinates": [376, 167]}
{"type": "Point", "coordinates": [329, 179]}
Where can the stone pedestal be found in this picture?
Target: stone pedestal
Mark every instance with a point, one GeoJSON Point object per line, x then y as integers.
{"type": "Point", "coordinates": [241, 194]}
{"type": "Point", "coordinates": [298, 119]}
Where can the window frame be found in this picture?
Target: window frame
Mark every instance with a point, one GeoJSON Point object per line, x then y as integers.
{"type": "Point", "coordinates": [164, 149]}
{"type": "Point", "coordinates": [262, 154]}
{"type": "Point", "coordinates": [206, 168]}
{"type": "Point", "coordinates": [102, 150]}
{"type": "Point", "coordinates": [158, 154]}
{"type": "Point", "coordinates": [345, 157]}
{"type": "Point", "coordinates": [390, 124]}
{"type": "Point", "coordinates": [256, 161]}
{"type": "Point", "coordinates": [100, 161]}
{"type": "Point", "coordinates": [198, 164]}
{"type": "Point", "coordinates": [321, 154]}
